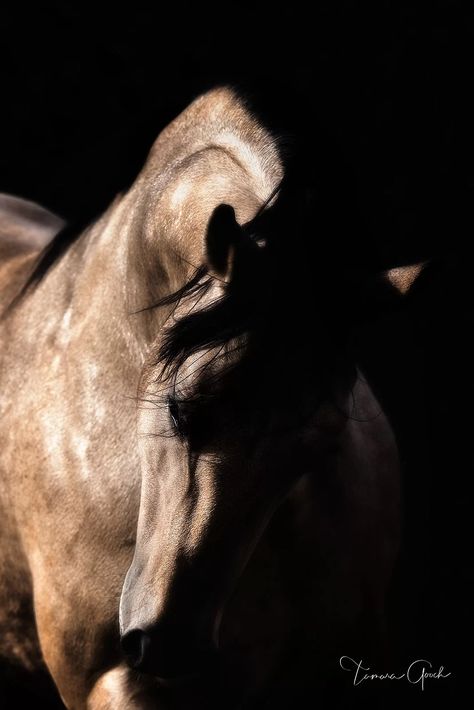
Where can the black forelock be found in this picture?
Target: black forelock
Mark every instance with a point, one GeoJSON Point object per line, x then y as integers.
{"type": "Point", "coordinates": [266, 299]}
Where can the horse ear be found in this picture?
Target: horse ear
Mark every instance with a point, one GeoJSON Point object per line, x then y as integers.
{"type": "Point", "coordinates": [222, 237]}
{"type": "Point", "coordinates": [402, 278]}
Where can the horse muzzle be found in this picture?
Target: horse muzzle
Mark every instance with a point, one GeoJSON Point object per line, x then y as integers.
{"type": "Point", "coordinates": [169, 653]}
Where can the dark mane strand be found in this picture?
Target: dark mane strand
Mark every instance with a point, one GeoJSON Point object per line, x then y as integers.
{"type": "Point", "coordinates": [48, 256]}
{"type": "Point", "coordinates": [209, 328]}
{"type": "Point", "coordinates": [220, 322]}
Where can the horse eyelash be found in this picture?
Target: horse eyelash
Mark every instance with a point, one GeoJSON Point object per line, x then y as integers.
{"type": "Point", "coordinates": [173, 411]}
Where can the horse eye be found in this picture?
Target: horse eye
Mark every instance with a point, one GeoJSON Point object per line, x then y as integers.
{"type": "Point", "coordinates": [175, 414]}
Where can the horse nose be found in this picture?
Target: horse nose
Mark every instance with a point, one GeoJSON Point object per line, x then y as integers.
{"type": "Point", "coordinates": [166, 656]}
{"type": "Point", "coordinates": [136, 648]}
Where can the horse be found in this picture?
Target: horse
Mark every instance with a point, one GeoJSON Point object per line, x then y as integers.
{"type": "Point", "coordinates": [199, 490]}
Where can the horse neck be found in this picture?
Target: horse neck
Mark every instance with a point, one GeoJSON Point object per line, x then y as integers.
{"type": "Point", "coordinates": [98, 292]}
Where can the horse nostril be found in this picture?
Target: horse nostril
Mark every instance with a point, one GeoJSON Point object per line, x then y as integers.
{"type": "Point", "coordinates": [136, 647]}
{"type": "Point", "coordinates": [164, 653]}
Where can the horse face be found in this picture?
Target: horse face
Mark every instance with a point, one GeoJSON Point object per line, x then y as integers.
{"type": "Point", "coordinates": [227, 425]}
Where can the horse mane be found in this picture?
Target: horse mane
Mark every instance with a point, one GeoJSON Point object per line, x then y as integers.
{"type": "Point", "coordinates": [255, 304]}
{"type": "Point", "coordinates": [47, 257]}
{"type": "Point", "coordinates": [218, 323]}
{"type": "Point", "coordinates": [208, 328]}
{"type": "Point", "coordinates": [53, 252]}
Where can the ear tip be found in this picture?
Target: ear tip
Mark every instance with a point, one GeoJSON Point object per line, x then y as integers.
{"type": "Point", "coordinates": [224, 209]}
{"type": "Point", "coordinates": [402, 278]}
{"type": "Point", "coordinates": [222, 216]}
{"type": "Point", "coordinates": [223, 233]}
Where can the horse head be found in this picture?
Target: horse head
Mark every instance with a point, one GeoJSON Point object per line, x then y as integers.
{"type": "Point", "coordinates": [245, 393]}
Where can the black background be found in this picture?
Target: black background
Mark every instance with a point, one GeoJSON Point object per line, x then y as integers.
{"type": "Point", "coordinates": [381, 95]}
